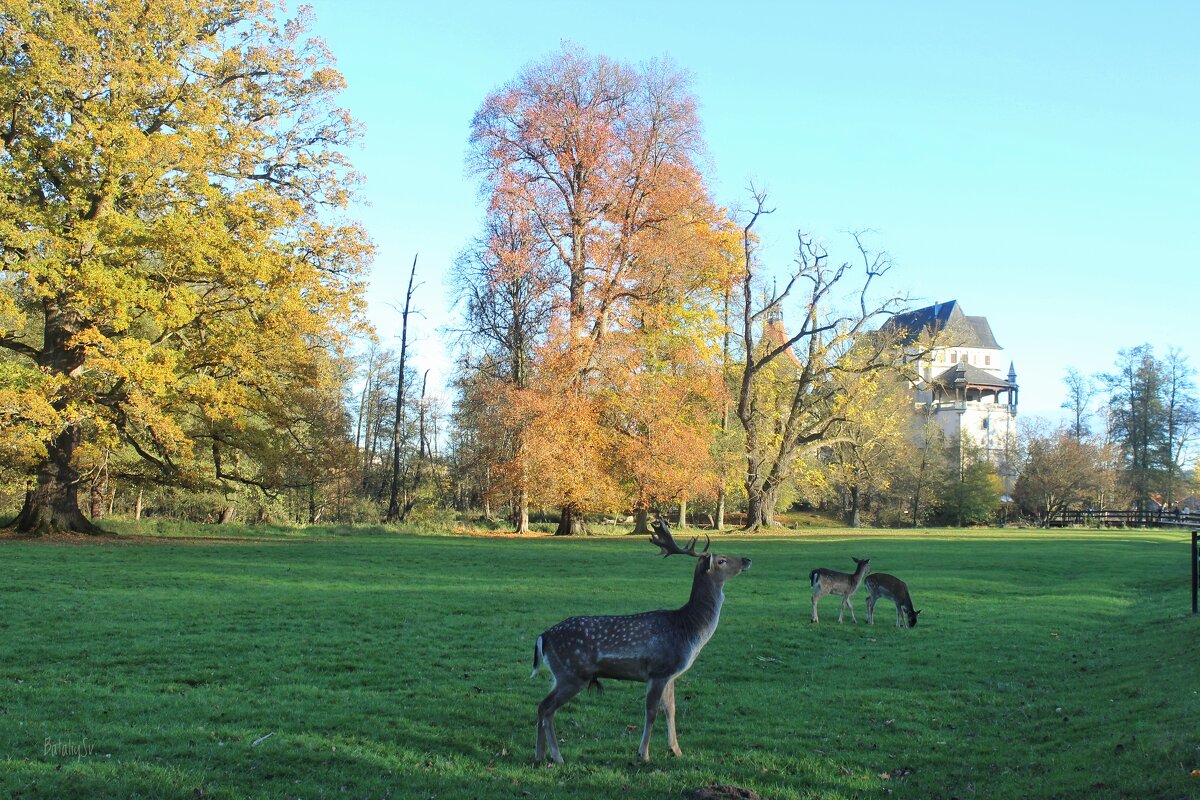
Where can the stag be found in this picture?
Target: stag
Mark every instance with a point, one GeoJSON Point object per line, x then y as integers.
{"type": "Point", "coordinates": [654, 647]}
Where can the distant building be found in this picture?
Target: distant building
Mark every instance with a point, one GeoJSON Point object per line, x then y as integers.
{"type": "Point", "coordinates": [962, 381]}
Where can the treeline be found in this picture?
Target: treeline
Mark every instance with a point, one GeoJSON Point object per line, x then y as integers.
{"type": "Point", "coordinates": [180, 311]}
{"type": "Point", "coordinates": [1127, 445]}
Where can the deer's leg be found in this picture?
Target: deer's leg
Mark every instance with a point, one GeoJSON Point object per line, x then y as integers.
{"type": "Point", "coordinates": [668, 701]}
{"type": "Point", "coordinates": [870, 609]}
{"type": "Point", "coordinates": [539, 752]}
{"type": "Point", "coordinates": [849, 605]}
{"type": "Point", "coordinates": [842, 610]}
{"type": "Point", "coordinates": [654, 695]}
{"type": "Point", "coordinates": [816, 597]}
{"type": "Point", "coordinates": [563, 691]}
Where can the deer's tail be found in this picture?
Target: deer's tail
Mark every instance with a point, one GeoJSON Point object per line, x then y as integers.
{"type": "Point", "coordinates": [537, 657]}
{"type": "Point", "coordinates": [813, 577]}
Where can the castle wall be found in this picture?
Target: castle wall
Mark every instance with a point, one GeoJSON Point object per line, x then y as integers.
{"type": "Point", "coordinates": [987, 359]}
{"type": "Point", "coordinates": [987, 425]}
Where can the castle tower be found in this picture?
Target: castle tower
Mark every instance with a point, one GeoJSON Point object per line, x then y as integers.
{"type": "Point", "coordinates": [961, 383]}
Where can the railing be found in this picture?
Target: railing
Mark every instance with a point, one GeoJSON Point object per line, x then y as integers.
{"type": "Point", "coordinates": [1126, 519]}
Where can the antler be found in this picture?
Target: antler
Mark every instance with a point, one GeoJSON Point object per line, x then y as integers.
{"type": "Point", "coordinates": [667, 544]}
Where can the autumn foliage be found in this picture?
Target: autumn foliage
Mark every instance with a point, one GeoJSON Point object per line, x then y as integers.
{"type": "Point", "coordinates": [599, 163]}
{"type": "Point", "coordinates": [177, 276]}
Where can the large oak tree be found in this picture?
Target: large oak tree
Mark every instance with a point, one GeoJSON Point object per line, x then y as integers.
{"type": "Point", "coordinates": [173, 253]}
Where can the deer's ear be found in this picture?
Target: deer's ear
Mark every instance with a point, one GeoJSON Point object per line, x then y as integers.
{"type": "Point", "coordinates": [706, 562]}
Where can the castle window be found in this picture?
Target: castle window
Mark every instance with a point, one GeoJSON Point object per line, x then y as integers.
{"type": "Point", "coordinates": [963, 358]}
{"type": "Point", "coordinates": [987, 361]}
{"type": "Point", "coordinates": [953, 357]}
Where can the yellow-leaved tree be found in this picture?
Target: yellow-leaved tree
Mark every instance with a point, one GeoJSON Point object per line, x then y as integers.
{"type": "Point", "coordinates": [175, 263]}
{"type": "Point", "coordinates": [873, 432]}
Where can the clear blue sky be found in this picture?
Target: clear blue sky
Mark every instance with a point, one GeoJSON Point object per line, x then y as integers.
{"type": "Point", "coordinates": [1038, 162]}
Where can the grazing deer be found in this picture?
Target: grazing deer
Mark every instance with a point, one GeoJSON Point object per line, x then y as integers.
{"type": "Point", "coordinates": [889, 587]}
{"type": "Point", "coordinates": [655, 647]}
{"type": "Point", "coordinates": [828, 581]}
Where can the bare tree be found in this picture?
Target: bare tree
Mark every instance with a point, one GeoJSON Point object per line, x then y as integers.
{"type": "Point", "coordinates": [803, 395]}
{"type": "Point", "coordinates": [393, 510]}
{"type": "Point", "coordinates": [1182, 415]}
{"type": "Point", "coordinates": [1060, 472]}
{"type": "Point", "coordinates": [507, 294]}
{"type": "Point", "coordinates": [1081, 390]}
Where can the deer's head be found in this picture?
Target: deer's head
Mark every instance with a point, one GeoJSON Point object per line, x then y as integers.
{"type": "Point", "coordinates": [720, 568]}
{"type": "Point", "coordinates": [912, 616]}
{"type": "Point", "coordinates": [713, 567]}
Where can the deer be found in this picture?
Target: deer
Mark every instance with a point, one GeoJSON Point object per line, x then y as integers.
{"type": "Point", "coordinates": [828, 581]}
{"type": "Point", "coordinates": [654, 647]}
{"type": "Point", "coordinates": [889, 587]}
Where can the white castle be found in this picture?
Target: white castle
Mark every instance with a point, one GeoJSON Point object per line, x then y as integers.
{"type": "Point", "coordinates": [961, 379]}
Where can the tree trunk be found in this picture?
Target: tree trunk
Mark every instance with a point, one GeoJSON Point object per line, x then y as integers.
{"type": "Point", "coordinates": [719, 523]}
{"type": "Point", "coordinates": [683, 520]}
{"type": "Point", "coordinates": [570, 523]}
{"type": "Point", "coordinates": [226, 515]}
{"type": "Point", "coordinates": [97, 500]}
{"type": "Point", "coordinates": [137, 506]}
{"type": "Point", "coordinates": [756, 513]}
{"type": "Point", "coordinates": [99, 491]}
{"type": "Point", "coordinates": [393, 510]}
{"type": "Point", "coordinates": [521, 512]}
{"type": "Point", "coordinates": [641, 521]}
{"type": "Point", "coordinates": [761, 503]}
{"type": "Point", "coordinates": [755, 484]}
{"type": "Point", "coordinates": [852, 514]}
{"type": "Point", "coordinates": [770, 506]}
{"type": "Point", "coordinates": [53, 504]}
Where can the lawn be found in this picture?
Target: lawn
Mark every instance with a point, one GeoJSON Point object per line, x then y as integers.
{"type": "Point", "coordinates": [316, 664]}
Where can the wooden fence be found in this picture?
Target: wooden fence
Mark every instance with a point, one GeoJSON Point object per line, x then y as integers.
{"type": "Point", "coordinates": [1126, 519]}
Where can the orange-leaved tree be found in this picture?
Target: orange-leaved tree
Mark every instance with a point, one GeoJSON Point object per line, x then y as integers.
{"type": "Point", "coordinates": [602, 159]}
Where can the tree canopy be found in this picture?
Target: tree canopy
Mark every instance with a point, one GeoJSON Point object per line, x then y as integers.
{"type": "Point", "coordinates": [175, 263]}
{"type": "Point", "coordinates": [594, 284]}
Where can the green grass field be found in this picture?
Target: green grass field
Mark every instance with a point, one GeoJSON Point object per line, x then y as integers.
{"type": "Point", "coordinates": [1046, 665]}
